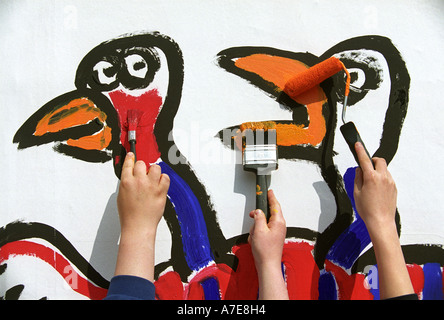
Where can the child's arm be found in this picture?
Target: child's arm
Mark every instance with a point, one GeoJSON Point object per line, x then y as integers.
{"type": "Point", "coordinates": [141, 203]}
{"type": "Point", "coordinates": [267, 242]}
{"type": "Point", "coordinates": [375, 195]}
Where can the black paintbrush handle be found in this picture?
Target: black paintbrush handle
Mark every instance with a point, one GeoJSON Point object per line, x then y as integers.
{"type": "Point", "coordinates": [133, 148]}
{"type": "Point", "coordinates": [351, 136]}
{"type": "Point", "coordinates": [261, 194]}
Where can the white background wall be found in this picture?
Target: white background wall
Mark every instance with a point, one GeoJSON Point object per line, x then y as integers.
{"type": "Point", "coordinates": [42, 43]}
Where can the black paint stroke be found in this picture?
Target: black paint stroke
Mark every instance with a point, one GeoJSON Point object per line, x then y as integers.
{"type": "Point", "coordinates": [13, 293]}
{"type": "Point", "coordinates": [19, 230]}
{"type": "Point", "coordinates": [399, 87]}
{"type": "Point", "coordinates": [419, 254]}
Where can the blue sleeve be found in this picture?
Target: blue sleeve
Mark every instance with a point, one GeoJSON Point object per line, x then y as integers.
{"type": "Point", "coordinates": [412, 296]}
{"type": "Point", "coordinates": [124, 287]}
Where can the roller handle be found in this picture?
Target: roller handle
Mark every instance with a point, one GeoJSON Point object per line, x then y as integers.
{"type": "Point", "coordinates": [261, 194]}
{"type": "Point", "coordinates": [351, 136]}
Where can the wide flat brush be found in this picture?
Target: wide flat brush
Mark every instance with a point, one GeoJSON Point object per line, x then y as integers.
{"type": "Point", "coordinates": [259, 155]}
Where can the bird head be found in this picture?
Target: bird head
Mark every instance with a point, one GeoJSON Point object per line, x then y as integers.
{"type": "Point", "coordinates": [142, 72]}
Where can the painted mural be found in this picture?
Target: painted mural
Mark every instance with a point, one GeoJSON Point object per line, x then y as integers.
{"type": "Point", "coordinates": [145, 72]}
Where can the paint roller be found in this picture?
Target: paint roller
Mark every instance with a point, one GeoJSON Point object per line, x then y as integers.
{"type": "Point", "coordinates": [313, 76]}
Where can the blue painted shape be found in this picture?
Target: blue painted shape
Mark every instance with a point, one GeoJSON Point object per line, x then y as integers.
{"type": "Point", "coordinates": [211, 289]}
{"type": "Point", "coordinates": [327, 286]}
{"type": "Point", "coordinates": [355, 238]}
{"type": "Point", "coordinates": [196, 244]}
{"type": "Point", "coordinates": [432, 282]}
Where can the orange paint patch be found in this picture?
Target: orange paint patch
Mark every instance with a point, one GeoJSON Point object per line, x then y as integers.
{"type": "Point", "coordinates": [279, 70]}
{"type": "Point", "coordinates": [98, 141]}
{"type": "Point", "coordinates": [291, 134]}
{"type": "Point", "coordinates": [262, 125]}
{"type": "Point", "coordinates": [77, 112]}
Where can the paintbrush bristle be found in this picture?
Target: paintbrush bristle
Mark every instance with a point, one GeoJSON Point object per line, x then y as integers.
{"type": "Point", "coordinates": [260, 125]}
{"type": "Point", "coordinates": [133, 118]}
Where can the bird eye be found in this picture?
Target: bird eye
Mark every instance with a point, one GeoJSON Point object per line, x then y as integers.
{"type": "Point", "coordinates": [106, 72]}
{"type": "Point", "coordinates": [136, 65]}
{"type": "Point", "coordinates": [357, 78]}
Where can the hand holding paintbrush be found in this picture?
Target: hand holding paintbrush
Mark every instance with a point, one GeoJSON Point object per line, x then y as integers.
{"type": "Point", "coordinates": [133, 117]}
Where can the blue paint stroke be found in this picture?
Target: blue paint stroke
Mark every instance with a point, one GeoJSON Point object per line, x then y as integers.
{"type": "Point", "coordinates": [355, 238]}
{"type": "Point", "coordinates": [196, 244]}
{"type": "Point", "coordinates": [327, 286]}
{"type": "Point", "coordinates": [432, 282]}
{"type": "Point", "coordinates": [211, 289]}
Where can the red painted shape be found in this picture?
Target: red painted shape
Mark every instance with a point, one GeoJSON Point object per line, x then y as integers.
{"type": "Point", "coordinates": [302, 273]}
{"type": "Point", "coordinates": [350, 287]}
{"type": "Point", "coordinates": [57, 261]}
{"type": "Point", "coordinates": [149, 103]}
{"type": "Point", "coordinates": [169, 287]}
{"type": "Point", "coordinates": [416, 276]}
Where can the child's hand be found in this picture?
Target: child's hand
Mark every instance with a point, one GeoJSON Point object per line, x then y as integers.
{"type": "Point", "coordinates": [374, 192]}
{"type": "Point", "coordinates": [141, 203]}
{"type": "Point", "coordinates": [267, 243]}
{"type": "Point", "coordinates": [375, 196]}
{"type": "Point", "coordinates": [267, 240]}
{"type": "Point", "coordinates": [141, 199]}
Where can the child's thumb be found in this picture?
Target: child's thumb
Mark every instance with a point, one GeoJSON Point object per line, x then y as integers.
{"type": "Point", "coordinates": [260, 220]}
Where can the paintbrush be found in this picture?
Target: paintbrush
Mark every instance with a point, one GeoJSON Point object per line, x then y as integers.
{"type": "Point", "coordinates": [133, 118]}
{"type": "Point", "coordinates": [315, 75]}
{"type": "Point", "coordinates": [259, 155]}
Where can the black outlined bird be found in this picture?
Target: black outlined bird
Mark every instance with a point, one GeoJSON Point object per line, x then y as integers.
{"type": "Point", "coordinates": [309, 136]}
{"type": "Point", "coordinates": [143, 72]}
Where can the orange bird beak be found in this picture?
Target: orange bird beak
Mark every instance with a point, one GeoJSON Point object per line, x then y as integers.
{"type": "Point", "coordinates": [272, 73]}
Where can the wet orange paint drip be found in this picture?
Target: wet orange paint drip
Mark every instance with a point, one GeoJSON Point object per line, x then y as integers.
{"type": "Point", "coordinates": [279, 70]}
{"type": "Point", "coordinates": [258, 190]}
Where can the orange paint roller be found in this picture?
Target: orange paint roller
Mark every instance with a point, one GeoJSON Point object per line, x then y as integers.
{"type": "Point", "coordinates": [313, 76]}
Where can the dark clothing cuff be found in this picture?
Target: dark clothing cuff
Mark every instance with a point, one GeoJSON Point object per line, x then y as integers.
{"type": "Point", "coordinates": [124, 287]}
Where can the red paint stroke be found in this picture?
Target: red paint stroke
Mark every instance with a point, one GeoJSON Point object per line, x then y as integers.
{"type": "Point", "coordinates": [57, 261]}
{"type": "Point", "coordinates": [231, 283]}
{"type": "Point", "coordinates": [417, 277]}
{"type": "Point", "coordinates": [300, 271]}
{"type": "Point", "coordinates": [149, 103]}
{"type": "Point", "coordinates": [350, 287]}
{"type": "Point", "coordinates": [301, 275]}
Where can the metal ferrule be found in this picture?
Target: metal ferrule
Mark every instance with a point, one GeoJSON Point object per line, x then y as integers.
{"type": "Point", "coordinates": [131, 135]}
{"type": "Point", "coordinates": [260, 154]}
